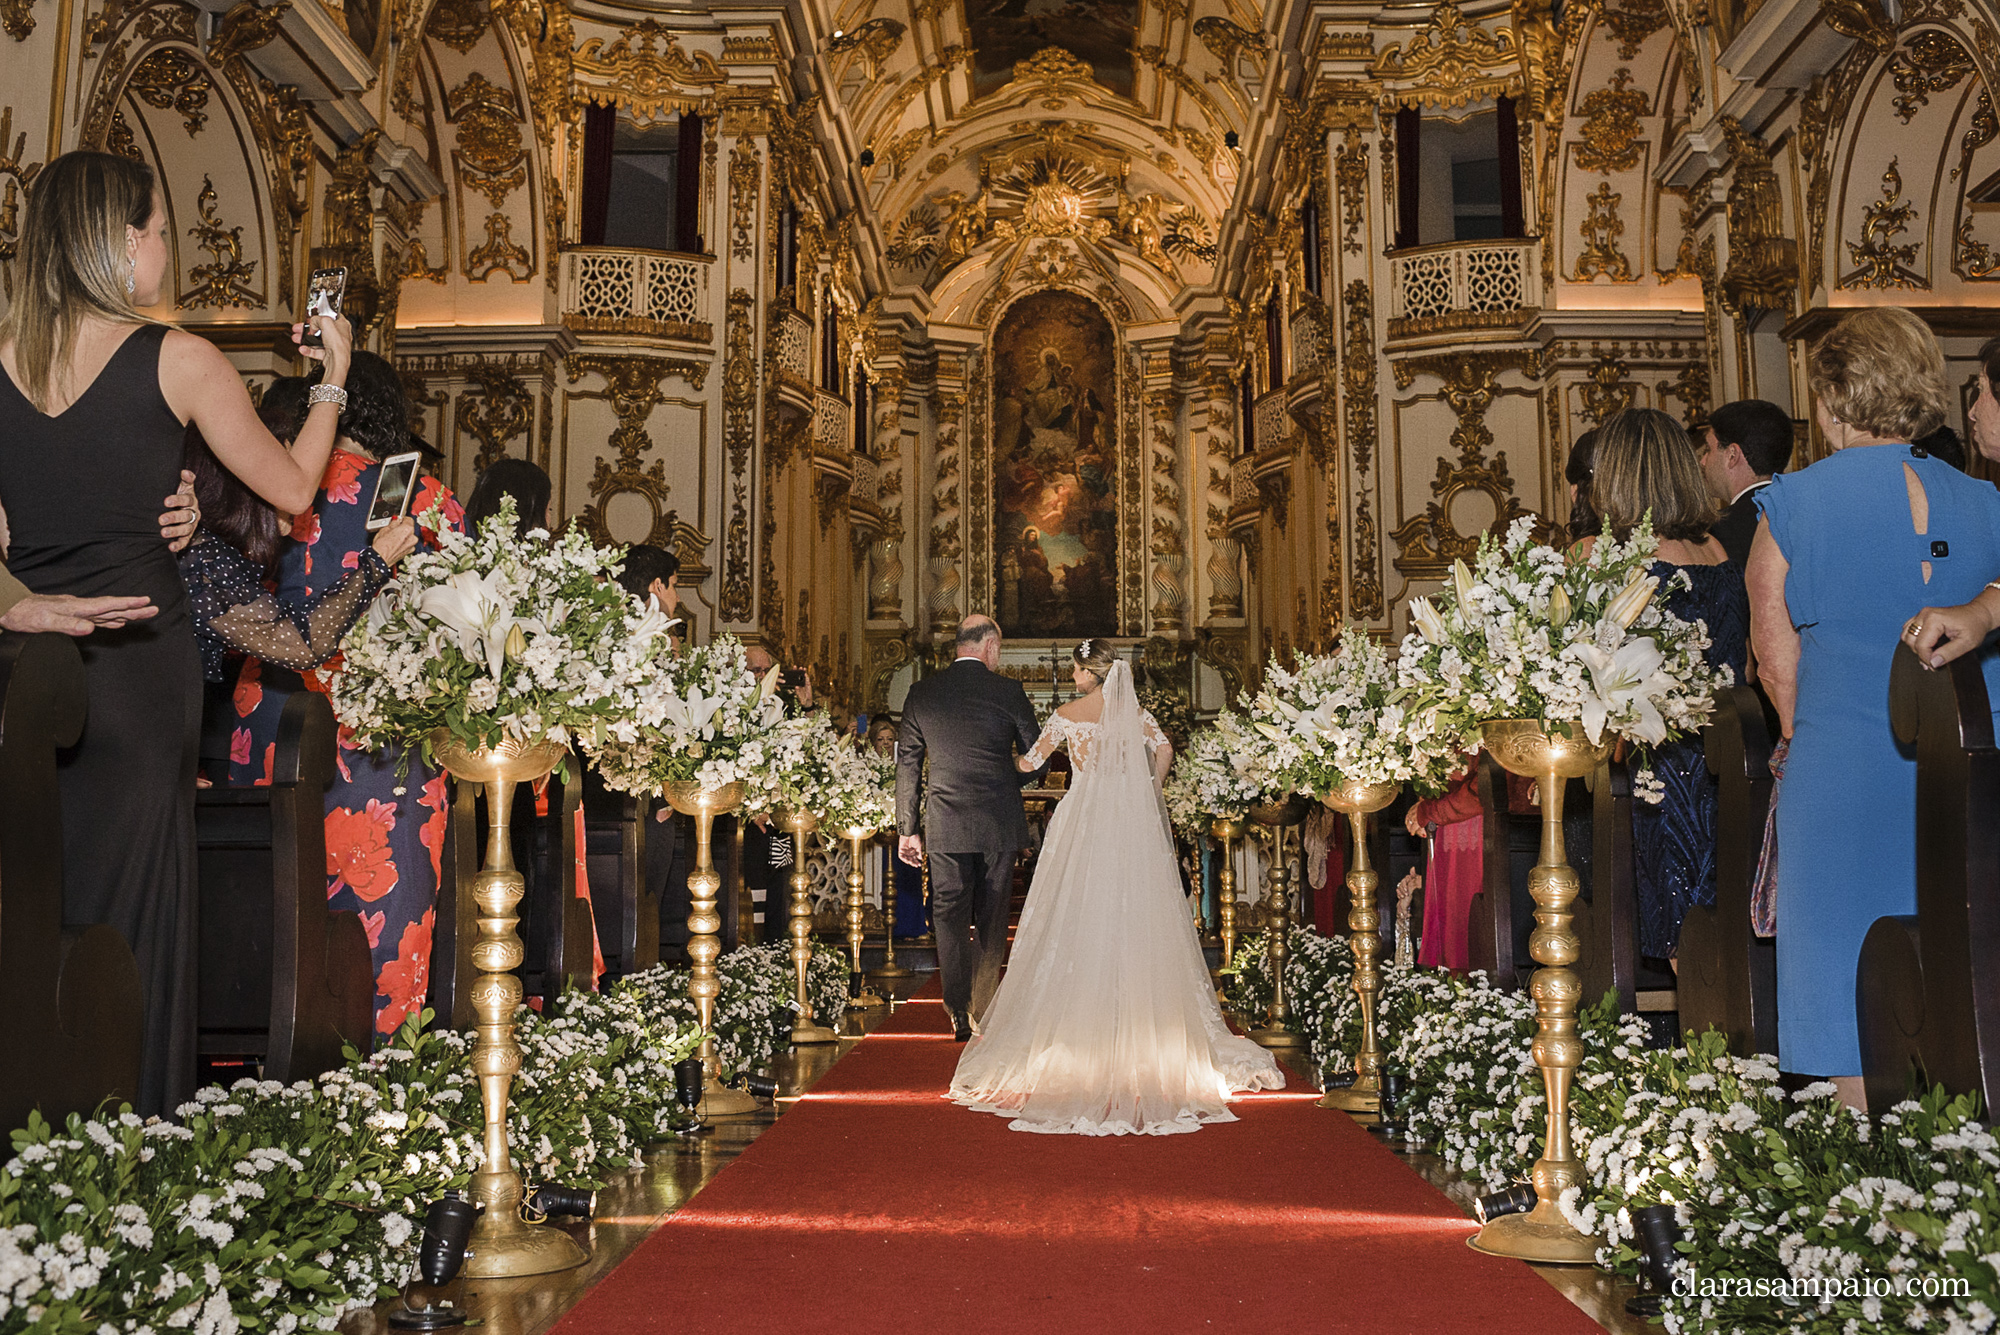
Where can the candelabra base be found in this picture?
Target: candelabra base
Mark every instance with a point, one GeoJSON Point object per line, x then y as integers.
{"type": "Point", "coordinates": [1542, 1236]}
{"type": "Point", "coordinates": [889, 970]}
{"type": "Point", "coordinates": [806, 1035]}
{"type": "Point", "coordinates": [503, 1245]}
{"type": "Point", "coordinates": [1354, 1099]}
{"type": "Point", "coordinates": [867, 999]}
{"type": "Point", "coordinates": [1276, 1036]}
{"type": "Point", "coordinates": [718, 1100]}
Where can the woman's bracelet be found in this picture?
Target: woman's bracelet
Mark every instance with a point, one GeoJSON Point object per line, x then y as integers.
{"type": "Point", "coordinates": [332, 394]}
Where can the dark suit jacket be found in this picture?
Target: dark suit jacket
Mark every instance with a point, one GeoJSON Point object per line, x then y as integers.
{"type": "Point", "coordinates": [1738, 527]}
{"type": "Point", "coordinates": [967, 721]}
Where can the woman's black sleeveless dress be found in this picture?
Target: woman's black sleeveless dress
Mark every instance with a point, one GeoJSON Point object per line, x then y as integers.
{"type": "Point", "coordinates": [83, 492]}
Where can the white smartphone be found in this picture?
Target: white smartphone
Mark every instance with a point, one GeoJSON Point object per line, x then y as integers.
{"type": "Point", "coordinates": [394, 486]}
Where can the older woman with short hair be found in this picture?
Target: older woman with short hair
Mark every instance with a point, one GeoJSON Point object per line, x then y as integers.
{"type": "Point", "coordinates": [1844, 550]}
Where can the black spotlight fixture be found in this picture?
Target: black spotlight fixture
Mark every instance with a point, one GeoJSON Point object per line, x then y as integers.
{"type": "Point", "coordinates": [1514, 1200]}
{"type": "Point", "coordinates": [867, 158]}
{"type": "Point", "coordinates": [1657, 1233]}
{"type": "Point", "coordinates": [689, 1077]}
{"type": "Point", "coordinates": [1391, 1126]}
{"type": "Point", "coordinates": [1230, 139]}
{"type": "Point", "coordinates": [757, 1086]}
{"type": "Point", "coordinates": [550, 1198]}
{"type": "Point", "coordinates": [427, 1300]}
{"type": "Point", "coordinates": [1339, 1080]}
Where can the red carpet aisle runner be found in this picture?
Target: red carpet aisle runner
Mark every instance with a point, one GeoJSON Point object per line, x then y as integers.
{"type": "Point", "coordinates": [874, 1205]}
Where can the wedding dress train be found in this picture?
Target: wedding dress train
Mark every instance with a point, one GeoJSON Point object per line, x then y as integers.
{"type": "Point", "coordinates": [1106, 1022]}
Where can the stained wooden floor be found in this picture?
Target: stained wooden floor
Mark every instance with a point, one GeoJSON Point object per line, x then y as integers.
{"type": "Point", "coordinates": [633, 1205]}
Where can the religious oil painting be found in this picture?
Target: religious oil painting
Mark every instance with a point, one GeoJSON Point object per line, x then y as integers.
{"type": "Point", "coordinates": [1055, 397]}
{"type": "Point", "coordinates": [1100, 33]}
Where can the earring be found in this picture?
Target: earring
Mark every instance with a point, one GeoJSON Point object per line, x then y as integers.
{"type": "Point", "coordinates": [131, 276]}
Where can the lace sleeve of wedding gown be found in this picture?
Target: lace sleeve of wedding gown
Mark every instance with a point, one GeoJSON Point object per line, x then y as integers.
{"type": "Point", "coordinates": [1045, 745]}
{"type": "Point", "coordinates": [1150, 729]}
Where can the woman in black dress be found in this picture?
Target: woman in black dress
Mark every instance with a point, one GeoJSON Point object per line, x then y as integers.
{"type": "Point", "coordinates": [94, 404]}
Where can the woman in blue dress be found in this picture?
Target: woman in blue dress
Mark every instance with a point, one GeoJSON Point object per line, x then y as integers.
{"type": "Point", "coordinates": [385, 829]}
{"type": "Point", "coordinates": [1844, 550]}
{"type": "Point", "coordinates": [1646, 464]}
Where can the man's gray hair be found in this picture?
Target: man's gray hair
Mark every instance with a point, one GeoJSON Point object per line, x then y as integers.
{"type": "Point", "coordinates": [973, 632]}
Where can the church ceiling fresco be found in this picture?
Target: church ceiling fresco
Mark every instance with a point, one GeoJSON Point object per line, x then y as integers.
{"type": "Point", "coordinates": [1098, 32]}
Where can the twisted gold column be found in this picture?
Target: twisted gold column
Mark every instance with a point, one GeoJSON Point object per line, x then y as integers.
{"type": "Point", "coordinates": [1522, 746]}
{"type": "Point", "coordinates": [1228, 832]}
{"type": "Point", "coordinates": [864, 997]}
{"type": "Point", "coordinates": [705, 804]}
{"type": "Point", "coordinates": [805, 1029]}
{"type": "Point", "coordinates": [503, 1244]}
{"type": "Point", "coordinates": [1279, 817]}
{"type": "Point", "coordinates": [1364, 924]}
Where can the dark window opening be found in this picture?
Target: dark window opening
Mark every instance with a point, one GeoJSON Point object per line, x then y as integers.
{"type": "Point", "coordinates": [641, 187]}
{"type": "Point", "coordinates": [829, 350]}
{"type": "Point", "coordinates": [1246, 415]}
{"type": "Point", "coordinates": [1274, 341]}
{"type": "Point", "coordinates": [1457, 180]}
{"type": "Point", "coordinates": [1309, 242]}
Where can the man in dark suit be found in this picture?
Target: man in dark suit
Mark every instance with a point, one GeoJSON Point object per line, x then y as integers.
{"type": "Point", "coordinates": [1744, 443]}
{"type": "Point", "coordinates": [968, 722]}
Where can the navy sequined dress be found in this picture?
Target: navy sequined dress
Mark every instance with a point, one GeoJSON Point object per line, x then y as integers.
{"type": "Point", "coordinates": [1673, 842]}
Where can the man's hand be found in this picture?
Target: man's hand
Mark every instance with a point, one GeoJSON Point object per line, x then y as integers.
{"type": "Point", "coordinates": [69, 615]}
{"type": "Point", "coordinates": [910, 848]}
{"type": "Point", "coordinates": [1413, 820]}
{"type": "Point", "coordinates": [1940, 634]}
{"type": "Point", "coordinates": [183, 515]}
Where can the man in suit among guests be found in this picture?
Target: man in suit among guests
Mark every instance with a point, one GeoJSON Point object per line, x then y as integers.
{"type": "Point", "coordinates": [1744, 443]}
{"type": "Point", "coordinates": [966, 812]}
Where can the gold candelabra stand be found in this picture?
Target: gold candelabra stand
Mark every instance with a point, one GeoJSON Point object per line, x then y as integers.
{"type": "Point", "coordinates": [503, 1244]}
{"type": "Point", "coordinates": [890, 968]}
{"type": "Point", "coordinates": [1227, 831]}
{"type": "Point", "coordinates": [865, 997]}
{"type": "Point", "coordinates": [1357, 801]}
{"type": "Point", "coordinates": [1551, 758]}
{"type": "Point", "coordinates": [1279, 818]}
{"type": "Point", "coordinates": [806, 1030]}
{"type": "Point", "coordinates": [688, 797]}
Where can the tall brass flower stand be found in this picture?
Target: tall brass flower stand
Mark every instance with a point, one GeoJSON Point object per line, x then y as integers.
{"type": "Point", "coordinates": [1551, 758]}
{"type": "Point", "coordinates": [864, 997]}
{"type": "Point", "coordinates": [1279, 818]}
{"type": "Point", "coordinates": [806, 1029]}
{"type": "Point", "coordinates": [890, 968]}
{"type": "Point", "coordinates": [689, 798]}
{"type": "Point", "coordinates": [1357, 802]}
{"type": "Point", "coordinates": [1226, 831]}
{"type": "Point", "coordinates": [503, 1244]}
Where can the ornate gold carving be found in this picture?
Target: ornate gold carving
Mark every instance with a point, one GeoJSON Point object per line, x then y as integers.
{"type": "Point", "coordinates": [18, 17]}
{"type": "Point", "coordinates": [648, 81]}
{"type": "Point", "coordinates": [633, 386]}
{"type": "Point", "coordinates": [1978, 134]}
{"type": "Point", "coordinates": [499, 251]}
{"type": "Point", "coordinates": [746, 171]}
{"type": "Point", "coordinates": [489, 138]}
{"type": "Point", "coordinates": [874, 41]}
{"type": "Point", "coordinates": [1168, 541]}
{"type": "Point", "coordinates": [1609, 392]}
{"type": "Point", "coordinates": [459, 24]}
{"type": "Point", "coordinates": [19, 175]}
{"type": "Point", "coordinates": [1879, 261]}
{"type": "Point", "coordinates": [1358, 371]}
{"type": "Point", "coordinates": [979, 482]}
{"type": "Point", "coordinates": [749, 51]}
{"type": "Point", "coordinates": [1428, 543]}
{"type": "Point", "coordinates": [1227, 41]}
{"type": "Point", "coordinates": [1972, 260]}
{"type": "Point", "coordinates": [348, 219]}
{"type": "Point", "coordinates": [416, 260]}
{"type": "Point", "coordinates": [495, 411]}
{"type": "Point", "coordinates": [1931, 62]}
{"type": "Point", "coordinates": [1350, 175]}
{"type": "Point", "coordinates": [1863, 20]}
{"type": "Point", "coordinates": [1611, 126]}
{"type": "Point", "coordinates": [1763, 262]}
{"type": "Point", "coordinates": [1057, 73]}
{"type": "Point", "coordinates": [173, 80]}
{"type": "Point", "coordinates": [225, 280]}
{"type": "Point", "coordinates": [739, 432]}
{"type": "Point", "coordinates": [946, 544]}
{"type": "Point", "coordinates": [1450, 63]}
{"type": "Point", "coordinates": [1223, 650]}
{"type": "Point", "coordinates": [243, 29]}
{"type": "Point", "coordinates": [1692, 388]}
{"type": "Point", "coordinates": [1826, 101]}
{"type": "Point", "coordinates": [1601, 227]}
{"type": "Point", "coordinates": [895, 153]}
{"type": "Point", "coordinates": [120, 139]}
{"type": "Point", "coordinates": [1633, 21]}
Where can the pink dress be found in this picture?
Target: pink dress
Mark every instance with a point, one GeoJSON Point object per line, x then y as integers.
{"type": "Point", "coordinates": [1454, 875]}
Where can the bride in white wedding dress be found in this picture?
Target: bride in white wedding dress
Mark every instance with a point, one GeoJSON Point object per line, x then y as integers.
{"type": "Point", "coordinates": [1106, 1022]}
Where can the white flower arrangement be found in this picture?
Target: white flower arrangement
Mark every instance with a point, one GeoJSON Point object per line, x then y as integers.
{"type": "Point", "coordinates": [493, 637]}
{"type": "Point", "coordinates": [1340, 720]}
{"type": "Point", "coordinates": [815, 768]}
{"type": "Point", "coordinates": [1527, 632]}
{"type": "Point", "coordinates": [1205, 786]}
{"type": "Point", "coordinates": [700, 715]}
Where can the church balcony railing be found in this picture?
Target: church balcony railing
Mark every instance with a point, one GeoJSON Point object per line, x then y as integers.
{"type": "Point", "coordinates": [1463, 286]}
{"type": "Point", "coordinates": [791, 333]}
{"type": "Point", "coordinates": [1270, 425]}
{"type": "Point", "coordinates": [1309, 341]}
{"type": "Point", "coordinates": [833, 424]}
{"type": "Point", "coordinates": [1246, 502]}
{"type": "Point", "coordinates": [649, 293]}
{"type": "Point", "coordinates": [864, 509]}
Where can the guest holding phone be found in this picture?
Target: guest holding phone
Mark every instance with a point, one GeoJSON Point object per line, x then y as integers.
{"type": "Point", "coordinates": [94, 404]}
{"type": "Point", "coordinates": [384, 829]}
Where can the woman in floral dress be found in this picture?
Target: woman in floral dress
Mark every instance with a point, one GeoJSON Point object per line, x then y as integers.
{"type": "Point", "coordinates": [384, 830]}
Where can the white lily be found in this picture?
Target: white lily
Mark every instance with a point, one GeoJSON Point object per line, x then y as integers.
{"type": "Point", "coordinates": [1463, 582]}
{"type": "Point", "coordinates": [654, 623]}
{"type": "Point", "coordinates": [692, 715]}
{"type": "Point", "coordinates": [1428, 620]}
{"type": "Point", "coordinates": [1559, 608]}
{"type": "Point", "coordinates": [472, 607]}
{"type": "Point", "coordinates": [1632, 599]}
{"type": "Point", "coordinates": [1631, 677]}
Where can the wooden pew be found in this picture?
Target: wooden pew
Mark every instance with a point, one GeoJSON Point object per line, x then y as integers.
{"type": "Point", "coordinates": [1492, 927]}
{"type": "Point", "coordinates": [555, 920]}
{"type": "Point", "coordinates": [70, 995]}
{"type": "Point", "coordinates": [617, 827]}
{"type": "Point", "coordinates": [1928, 988]}
{"type": "Point", "coordinates": [1728, 974]}
{"type": "Point", "coordinates": [283, 978]}
{"type": "Point", "coordinates": [1607, 923]}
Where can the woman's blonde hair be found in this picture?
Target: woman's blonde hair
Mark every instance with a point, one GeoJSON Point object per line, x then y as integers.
{"type": "Point", "coordinates": [73, 259]}
{"type": "Point", "coordinates": [1096, 656]}
{"type": "Point", "coordinates": [1881, 370]}
{"type": "Point", "coordinates": [1646, 462]}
